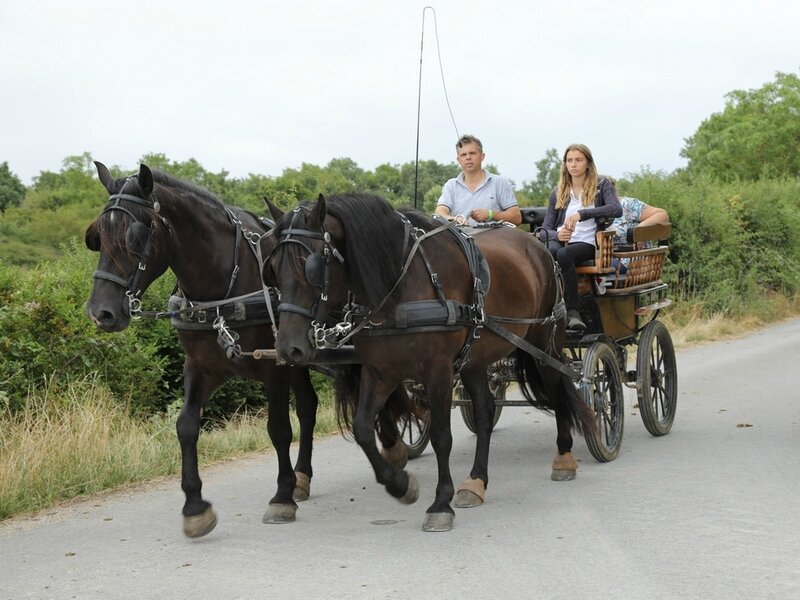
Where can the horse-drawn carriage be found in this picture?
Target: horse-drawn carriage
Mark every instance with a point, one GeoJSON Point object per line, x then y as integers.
{"type": "Point", "coordinates": [426, 309]}
{"type": "Point", "coordinates": [621, 294]}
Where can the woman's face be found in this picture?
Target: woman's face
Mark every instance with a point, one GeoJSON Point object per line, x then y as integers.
{"type": "Point", "coordinates": [577, 163]}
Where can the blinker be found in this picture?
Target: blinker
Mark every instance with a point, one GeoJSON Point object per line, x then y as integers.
{"type": "Point", "coordinates": [315, 270]}
{"type": "Point", "coordinates": [136, 238]}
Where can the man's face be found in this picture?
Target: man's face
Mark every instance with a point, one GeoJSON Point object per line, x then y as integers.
{"type": "Point", "coordinates": [470, 158]}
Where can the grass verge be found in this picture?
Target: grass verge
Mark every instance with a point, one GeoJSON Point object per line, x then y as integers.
{"type": "Point", "coordinates": [78, 440]}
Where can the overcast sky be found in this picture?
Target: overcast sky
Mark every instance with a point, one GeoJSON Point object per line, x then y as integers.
{"type": "Point", "coordinates": [258, 86]}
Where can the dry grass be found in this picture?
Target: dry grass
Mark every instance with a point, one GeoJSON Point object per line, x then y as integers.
{"type": "Point", "coordinates": [78, 440]}
{"type": "Point", "coordinates": [689, 326]}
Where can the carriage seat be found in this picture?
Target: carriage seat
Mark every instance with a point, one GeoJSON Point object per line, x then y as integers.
{"type": "Point", "coordinates": [609, 258]}
{"type": "Point", "coordinates": [533, 216]}
{"type": "Point", "coordinates": [623, 263]}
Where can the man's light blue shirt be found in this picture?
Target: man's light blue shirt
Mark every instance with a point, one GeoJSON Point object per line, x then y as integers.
{"type": "Point", "coordinates": [493, 194]}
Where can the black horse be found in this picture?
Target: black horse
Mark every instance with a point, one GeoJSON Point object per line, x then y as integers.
{"type": "Point", "coordinates": [427, 308]}
{"type": "Point", "coordinates": [153, 222]}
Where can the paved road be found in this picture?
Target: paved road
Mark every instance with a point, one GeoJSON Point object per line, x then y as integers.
{"type": "Point", "coordinates": [709, 511]}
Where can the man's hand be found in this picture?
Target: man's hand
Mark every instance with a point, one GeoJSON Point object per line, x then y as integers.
{"type": "Point", "coordinates": [480, 215]}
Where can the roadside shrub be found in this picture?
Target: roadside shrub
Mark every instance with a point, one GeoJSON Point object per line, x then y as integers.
{"type": "Point", "coordinates": [44, 333]}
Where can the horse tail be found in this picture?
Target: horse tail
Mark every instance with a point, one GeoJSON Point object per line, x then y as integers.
{"type": "Point", "coordinates": [560, 393]}
{"type": "Point", "coordinates": [346, 385]}
{"type": "Point", "coordinates": [347, 382]}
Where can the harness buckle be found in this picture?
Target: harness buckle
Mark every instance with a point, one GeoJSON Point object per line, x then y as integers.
{"type": "Point", "coordinates": [134, 306]}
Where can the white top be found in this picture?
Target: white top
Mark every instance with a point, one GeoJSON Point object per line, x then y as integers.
{"type": "Point", "coordinates": [585, 231]}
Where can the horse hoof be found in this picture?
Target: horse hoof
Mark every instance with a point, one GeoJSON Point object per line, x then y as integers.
{"type": "Point", "coordinates": [438, 522]}
{"type": "Point", "coordinates": [565, 467]}
{"type": "Point", "coordinates": [199, 525]}
{"type": "Point", "coordinates": [396, 455]}
{"type": "Point", "coordinates": [280, 513]}
{"type": "Point", "coordinates": [562, 475]}
{"type": "Point", "coordinates": [466, 499]}
{"type": "Point", "coordinates": [471, 493]}
{"type": "Point", "coordinates": [412, 492]}
{"type": "Point", "coordinates": [302, 487]}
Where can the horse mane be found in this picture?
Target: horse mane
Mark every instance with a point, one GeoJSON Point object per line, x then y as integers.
{"type": "Point", "coordinates": [179, 184]}
{"type": "Point", "coordinates": [374, 242]}
{"type": "Point", "coordinates": [110, 231]}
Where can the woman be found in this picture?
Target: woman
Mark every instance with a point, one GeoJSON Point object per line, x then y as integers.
{"type": "Point", "coordinates": [581, 204]}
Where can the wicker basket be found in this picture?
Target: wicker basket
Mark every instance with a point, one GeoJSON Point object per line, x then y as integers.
{"type": "Point", "coordinates": [639, 266]}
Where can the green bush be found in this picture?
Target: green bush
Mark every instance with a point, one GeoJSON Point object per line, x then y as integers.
{"type": "Point", "coordinates": [731, 242]}
{"type": "Point", "coordinates": [45, 333]}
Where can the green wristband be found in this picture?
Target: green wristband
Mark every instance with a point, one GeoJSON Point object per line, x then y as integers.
{"type": "Point", "coordinates": [491, 215]}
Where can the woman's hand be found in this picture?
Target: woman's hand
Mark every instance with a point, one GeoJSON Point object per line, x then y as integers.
{"type": "Point", "coordinates": [564, 234]}
{"type": "Point", "coordinates": [571, 221]}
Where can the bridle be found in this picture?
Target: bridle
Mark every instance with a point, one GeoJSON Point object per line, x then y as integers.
{"type": "Point", "coordinates": [317, 267]}
{"type": "Point", "coordinates": [135, 232]}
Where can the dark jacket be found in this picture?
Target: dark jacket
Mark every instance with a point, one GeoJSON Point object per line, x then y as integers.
{"type": "Point", "coordinates": [606, 208]}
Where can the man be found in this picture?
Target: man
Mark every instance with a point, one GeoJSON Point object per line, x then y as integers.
{"type": "Point", "coordinates": [477, 195]}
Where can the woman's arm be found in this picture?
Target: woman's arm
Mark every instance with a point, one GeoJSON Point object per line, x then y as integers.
{"type": "Point", "coordinates": [551, 218]}
{"type": "Point", "coordinates": [652, 215]}
{"type": "Point", "coordinates": [607, 204]}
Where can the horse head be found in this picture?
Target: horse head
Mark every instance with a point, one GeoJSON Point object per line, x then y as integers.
{"type": "Point", "coordinates": [133, 242]}
{"type": "Point", "coordinates": [307, 267]}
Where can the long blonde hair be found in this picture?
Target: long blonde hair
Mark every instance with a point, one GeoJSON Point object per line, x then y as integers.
{"type": "Point", "coordinates": [565, 179]}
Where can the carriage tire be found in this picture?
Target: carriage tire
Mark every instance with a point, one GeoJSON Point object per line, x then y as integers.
{"type": "Point", "coordinates": [416, 432]}
{"type": "Point", "coordinates": [468, 413]}
{"type": "Point", "coordinates": [602, 390]}
{"type": "Point", "coordinates": [656, 378]}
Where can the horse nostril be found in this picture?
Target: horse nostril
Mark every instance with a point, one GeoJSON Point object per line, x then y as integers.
{"type": "Point", "coordinates": [296, 356]}
{"type": "Point", "coordinates": [104, 319]}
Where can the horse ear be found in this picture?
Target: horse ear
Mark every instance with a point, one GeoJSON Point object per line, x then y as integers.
{"type": "Point", "coordinates": [318, 214]}
{"type": "Point", "coordinates": [145, 180]}
{"type": "Point", "coordinates": [276, 212]}
{"type": "Point", "coordinates": [105, 177]}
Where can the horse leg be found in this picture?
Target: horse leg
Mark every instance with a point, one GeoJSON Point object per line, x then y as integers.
{"type": "Point", "coordinates": [472, 491]}
{"type": "Point", "coordinates": [198, 516]}
{"type": "Point", "coordinates": [440, 515]}
{"type": "Point", "coordinates": [393, 448]}
{"type": "Point", "coordinates": [565, 467]}
{"type": "Point", "coordinates": [282, 507]}
{"type": "Point", "coordinates": [306, 404]}
{"type": "Point", "coordinates": [372, 396]}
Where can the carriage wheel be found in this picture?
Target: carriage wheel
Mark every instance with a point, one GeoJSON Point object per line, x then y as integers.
{"type": "Point", "coordinates": [657, 378]}
{"type": "Point", "coordinates": [602, 390]}
{"type": "Point", "coordinates": [498, 391]}
{"type": "Point", "coordinates": [413, 431]}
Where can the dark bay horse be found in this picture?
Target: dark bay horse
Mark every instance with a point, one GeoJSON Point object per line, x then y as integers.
{"type": "Point", "coordinates": [153, 222]}
{"type": "Point", "coordinates": [429, 311]}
